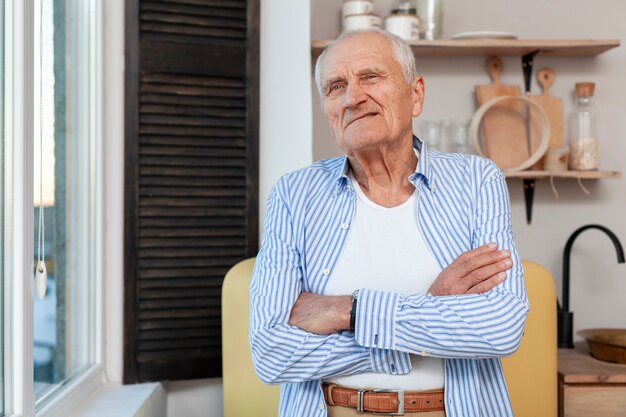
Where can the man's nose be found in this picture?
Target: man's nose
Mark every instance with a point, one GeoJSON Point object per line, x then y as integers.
{"type": "Point", "coordinates": [354, 95]}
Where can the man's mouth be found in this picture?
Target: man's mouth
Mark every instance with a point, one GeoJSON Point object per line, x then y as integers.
{"type": "Point", "coordinates": [362, 116]}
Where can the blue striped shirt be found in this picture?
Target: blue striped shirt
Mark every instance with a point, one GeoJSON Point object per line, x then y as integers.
{"type": "Point", "coordinates": [463, 203]}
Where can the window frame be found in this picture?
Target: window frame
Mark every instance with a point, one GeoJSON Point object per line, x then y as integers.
{"type": "Point", "coordinates": [2, 234]}
{"type": "Point", "coordinates": [19, 213]}
{"type": "Point", "coordinates": [18, 216]}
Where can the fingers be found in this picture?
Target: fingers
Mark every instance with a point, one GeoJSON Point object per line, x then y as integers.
{"type": "Point", "coordinates": [470, 255]}
{"type": "Point", "coordinates": [479, 275]}
{"type": "Point", "coordinates": [472, 268]}
{"type": "Point", "coordinates": [477, 258]}
{"type": "Point", "coordinates": [487, 277]}
{"type": "Point", "coordinates": [487, 284]}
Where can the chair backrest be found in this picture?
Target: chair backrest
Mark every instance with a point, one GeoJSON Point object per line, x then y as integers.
{"type": "Point", "coordinates": [244, 394]}
{"type": "Point", "coordinates": [531, 373]}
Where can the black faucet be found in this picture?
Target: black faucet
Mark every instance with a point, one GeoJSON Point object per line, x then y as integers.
{"type": "Point", "coordinates": [565, 317]}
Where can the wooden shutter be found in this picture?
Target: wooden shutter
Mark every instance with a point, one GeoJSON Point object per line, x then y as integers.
{"type": "Point", "coordinates": [191, 169]}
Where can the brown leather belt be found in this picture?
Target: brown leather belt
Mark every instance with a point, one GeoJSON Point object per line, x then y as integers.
{"type": "Point", "coordinates": [391, 402]}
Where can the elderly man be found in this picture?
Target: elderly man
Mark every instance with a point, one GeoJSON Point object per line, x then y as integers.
{"type": "Point", "coordinates": [391, 268]}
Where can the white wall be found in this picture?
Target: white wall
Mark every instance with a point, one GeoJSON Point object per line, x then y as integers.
{"type": "Point", "coordinates": [197, 398]}
{"type": "Point", "coordinates": [286, 123]}
{"type": "Point", "coordinates": [113, 134]}
{"type": "Point", "coordinates": [598, 283]}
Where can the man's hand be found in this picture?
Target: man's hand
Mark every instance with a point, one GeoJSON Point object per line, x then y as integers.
{"type": "Point", "coordinates": [321, 314]}
{"type": "Point", "coordinates": [473, 272]}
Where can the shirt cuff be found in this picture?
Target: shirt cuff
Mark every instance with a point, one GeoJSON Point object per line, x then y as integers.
{"type": "Point", "coordinates": [375, 319]}
{"type": "Point", "coordinates": [391, 362]}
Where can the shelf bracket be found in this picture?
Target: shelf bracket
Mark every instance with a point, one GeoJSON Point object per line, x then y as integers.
{"type": "Point", "coordinates": [529, 194]}
{"type": "Point", "coordinates": [528, 61]}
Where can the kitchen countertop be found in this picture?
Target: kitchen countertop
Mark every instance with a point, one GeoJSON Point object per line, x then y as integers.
{"type": "Point", "coordinates": [577, 366]}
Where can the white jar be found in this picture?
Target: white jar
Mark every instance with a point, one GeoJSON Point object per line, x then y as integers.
{"type": "Point", "coordinates": [406, 26]}
{"type": "Point", "coordinates": [361, 22]}
{"type": "Point", "coordinates": [351, 7]}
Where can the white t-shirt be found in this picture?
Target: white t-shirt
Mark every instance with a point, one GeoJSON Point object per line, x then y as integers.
{"type": "Point", "coordinates": [385, 251]}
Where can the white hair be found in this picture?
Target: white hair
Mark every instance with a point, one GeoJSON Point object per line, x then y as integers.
{"type": "Point", "coordinates": [402, 51]}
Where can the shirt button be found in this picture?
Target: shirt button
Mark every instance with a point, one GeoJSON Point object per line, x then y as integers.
{"type": "Point", "coordinates": [326, 272]}
{"type": "Point", "coordinates": [345, 226]}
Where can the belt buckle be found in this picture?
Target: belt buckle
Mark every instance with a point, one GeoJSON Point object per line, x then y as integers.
{"type": "Point", "coordinates": [359, 401]}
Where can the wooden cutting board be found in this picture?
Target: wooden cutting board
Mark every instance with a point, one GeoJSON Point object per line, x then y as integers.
{"type": "Point", "coordinates": [504, 126]}
{"type": "Point", "coordinates": [553, 107]}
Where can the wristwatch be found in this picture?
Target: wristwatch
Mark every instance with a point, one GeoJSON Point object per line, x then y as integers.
{"type": "Point", "coordinates": [355, 298]}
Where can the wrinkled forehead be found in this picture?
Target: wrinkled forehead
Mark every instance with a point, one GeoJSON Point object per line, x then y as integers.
{"type": "Point", "coordinates": [360, 49]}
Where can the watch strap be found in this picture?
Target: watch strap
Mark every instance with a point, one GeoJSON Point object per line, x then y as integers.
{"type": "Point", "coordinates": [355, 298]}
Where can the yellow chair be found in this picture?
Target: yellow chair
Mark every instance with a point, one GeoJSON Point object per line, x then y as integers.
{"type": "Point", "coordinates": [531, 373]}
{"type": "Point", "coordinates": [258, 399]}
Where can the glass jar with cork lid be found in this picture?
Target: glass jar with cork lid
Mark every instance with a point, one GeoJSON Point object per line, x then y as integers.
{"type": "Point", "coordinates": [584, 145]}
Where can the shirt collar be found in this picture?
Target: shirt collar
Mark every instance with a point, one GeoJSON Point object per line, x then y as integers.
{"type": "Point", "coordinates": [424, 170]}
{"type": "Point", "coordinates": [422, 173]}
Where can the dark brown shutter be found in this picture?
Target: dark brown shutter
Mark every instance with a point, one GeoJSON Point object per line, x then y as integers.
{"type": "Point", "coordinates": [191, 177]}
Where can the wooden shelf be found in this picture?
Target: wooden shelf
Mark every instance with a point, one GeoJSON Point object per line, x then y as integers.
{"type": "Point", "coordinates": [500, 47]}
{"type": "Point", "coordinates": [529, 178]}
{"type": "Point", "coordinates": [584, 175]}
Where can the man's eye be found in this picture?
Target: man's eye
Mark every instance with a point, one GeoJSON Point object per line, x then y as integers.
{"type": "Point", "coordinates": [335, 87]}
{"type": "Point", "coordinates": [370, 76]}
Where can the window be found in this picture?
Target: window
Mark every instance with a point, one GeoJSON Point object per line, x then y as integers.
{"type": "Point", "coordinates": [64, 174]}
{"type": "Point", "coordinates": [49, 148]}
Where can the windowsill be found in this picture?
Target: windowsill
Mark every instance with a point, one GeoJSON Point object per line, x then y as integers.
{"type": "Point", "coordinates": [114, 400]}
{"type": "Point", "coordinates": [88, 396]}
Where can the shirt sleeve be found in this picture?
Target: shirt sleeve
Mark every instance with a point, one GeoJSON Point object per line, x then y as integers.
{"type": "Point", "coordinates": [284, 353]}
{"type": "Point", "coordinates": [458, 326]}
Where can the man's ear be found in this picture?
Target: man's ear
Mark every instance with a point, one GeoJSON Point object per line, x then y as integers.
{"type": "Point", "coordinates": [417, 93]}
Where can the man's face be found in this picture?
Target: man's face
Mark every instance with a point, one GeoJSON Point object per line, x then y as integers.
{"type": "Point", "coordinates": [365, 96]}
